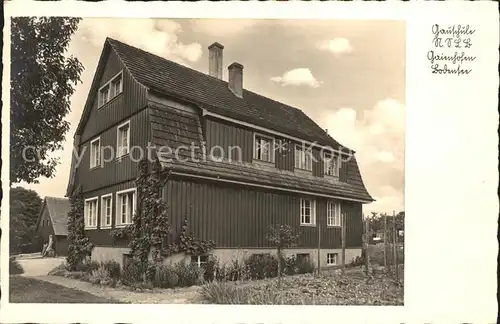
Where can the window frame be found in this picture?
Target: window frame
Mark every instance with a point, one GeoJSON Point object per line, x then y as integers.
{"type": "Point", "coordinates": [332, 157]}
{"type": "Point", "coordinates": [312, 210]}
{"type": "Point", "coordinates": [272, 143]}
{"type": "Point", "coordinates": [86, 216]}
{"type": "Point", "coordinates": [119, 154]}
{"type": "Point", "coordinates": [328, 259]}
{"type": "Point", "coordinates": [306, 152]}
{"type": "Point", "coordinates": [118, 208]}
{"type": "Point", "coordinates": [198, 262]}
{"type": "Point", "coordinates": [333, 217]}
{"type": "Point", "coordinates": [110, 86]}
{"type": "Point", "coordinates": [93, 155]}
{"type": "Point", "coordinates": [103, 211]}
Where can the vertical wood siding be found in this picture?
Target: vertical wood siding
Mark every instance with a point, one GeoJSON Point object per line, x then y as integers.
{"type": "Point", "coordinates": [238, 217]}
{"type": "Point", "coordinates": [115, 171]}
{"type": "Point", "coordinates": [225, 136]}
{"type": "Point", "coordinates": [102, 237]}
{"type": "Point", "coordinates": [132, 99]}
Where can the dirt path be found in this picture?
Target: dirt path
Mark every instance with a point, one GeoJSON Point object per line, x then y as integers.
{"type": "Point", "coordinates": [158, 296]}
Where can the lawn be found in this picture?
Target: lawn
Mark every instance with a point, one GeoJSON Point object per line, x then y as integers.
{"type": "Point", "coordinates": [29, 290]}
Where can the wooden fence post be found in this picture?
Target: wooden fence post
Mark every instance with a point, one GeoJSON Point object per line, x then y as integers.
{"type": "Point", "coordinates": [319, 248]}
{"type": "Point", "coordinates": [395, 256]}
{"type": "Point", "coordinates": [385, 242]}
{"type": "Point", "coordinates": [367, 242]}
{"type": "Point", "coordinates": [343, 240]}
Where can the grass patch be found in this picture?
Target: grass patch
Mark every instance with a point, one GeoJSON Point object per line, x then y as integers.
{"type": "Point", "coordinates": [29, 290]}
{"type": "Point", "coordinates": [348, 289]}
{"type": "Point", "coordinates": [15, 267]}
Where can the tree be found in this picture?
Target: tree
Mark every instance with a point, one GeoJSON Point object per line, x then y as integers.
{"type": "Point", "coordinates": [282, 237]}
{"type": "Point", "coordinates": [42, 81]}
{"type": "Point", "coordinates": [25, 206]}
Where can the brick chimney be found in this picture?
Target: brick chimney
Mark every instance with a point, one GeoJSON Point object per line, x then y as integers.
{"type": "Point", "coordinates": [215, 60]}
{"type": "Point", "coordinates": [235, 82]}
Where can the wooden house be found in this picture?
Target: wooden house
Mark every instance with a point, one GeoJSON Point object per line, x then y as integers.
{"type": "Point", "coordinates": [52, 221]}
{"type": "Point", "coordinates": [256, 161]}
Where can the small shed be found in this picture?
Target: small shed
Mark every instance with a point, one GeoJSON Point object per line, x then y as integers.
{"type": "Point", "coordinates": [53, 220]}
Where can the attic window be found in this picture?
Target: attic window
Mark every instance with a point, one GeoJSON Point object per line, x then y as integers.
{"type": "Point", "coordinates": [111, 89]}
{"type": "Point", "coordinates": [263, 148]}
{"type": "Point", "coordinates": [303, 158]}
{"type": "Point", "coordinates": [331, 163]}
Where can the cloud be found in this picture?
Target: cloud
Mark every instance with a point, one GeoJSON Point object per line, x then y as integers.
{"type": "Point", "coordinates": [162, 36]}
{"type": "Point", "coordinates": [378, 137]}
{"type": "Point", "coordinates": [297, 77]}
{"type": "Point", "coordinates": [222, 27]}
{"type": "Point", "coordinates": [336, 45]}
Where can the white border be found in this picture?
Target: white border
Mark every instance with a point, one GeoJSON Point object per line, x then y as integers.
{"type": "Point", "coordinates": [459, 117]}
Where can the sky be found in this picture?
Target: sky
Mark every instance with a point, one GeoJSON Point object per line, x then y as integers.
{"type": "Point", "coordinates": [347, 75]}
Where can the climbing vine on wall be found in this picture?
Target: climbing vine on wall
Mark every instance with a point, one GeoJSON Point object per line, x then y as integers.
{"type": "Point", "coordinates": [151, 229]}
{"type": "Point", "coordinates": [79, 246]}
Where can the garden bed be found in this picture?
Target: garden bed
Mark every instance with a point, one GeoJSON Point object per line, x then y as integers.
{"type": "Point", "coordinates": [352, 288]}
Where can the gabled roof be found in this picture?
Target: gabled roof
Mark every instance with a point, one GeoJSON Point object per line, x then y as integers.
{"type": "Point", "coordinates": [210, 93]}
{"type": "Point", "coordinates": [58, 209]}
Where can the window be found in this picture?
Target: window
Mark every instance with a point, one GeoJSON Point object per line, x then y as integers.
{"type": "Point", "coordinates": [104, 95]}
{"type": "Point", "coordinates": [90, 213]}
{"type": "Point", "coordinates": [303, 258]}
{"type": "Point", "coordinates": [331, 258]}
{"type": "Point", "coordinates": [307, 212]}
{"type": "Point", "coordinates": [111, 89]}
{"type": "Point", "coordinates": [303, 158]}
{"type": "Point", "coordinates": [333, 214]}
{"type": "Point", "coordinates": [199, 260]}
{"type": "Point", "coordinates": [106, 212]}
{"type": "Point", "coordinates": [95, 153]}
{"type": "Point", "coordinates": [125, 209]}
{"type": "Point", "coordinates": [123, 139]}
{"type": "Point", "coordinates": [331, 163]}
{"type": "Point", "coordinates": [263, 148]}
{"type": "Point", "coordinates": [116, 86]}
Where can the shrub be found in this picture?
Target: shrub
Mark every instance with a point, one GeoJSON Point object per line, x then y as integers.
{"type": "Point", "coordinates": [289, 265]}
{"type": "Point", "coordinates": [60, 270]}
{"type": "Point", "coordinates": [113, 268]}
{"type": "Point", "coordinates": [165, 277]}
{"type": "Point", "coordinates": [227, 293]}
{"type": "Point", "coordinates": [88, 266]}
{"type": "Point", "coordinates": [262, 266]}
{"type": "Point", "coordinates": [100, 276]}
{"type": "Point", "coordinates": [189, 275]}
{"type": "Point", "coordinates": [236, 270]}
{"type": "Point", "coordinates": [15, 267]}
{"type": "Point", "coordinates": [210, 268]}
{"type": "Point", "coordinates": [357, 261]}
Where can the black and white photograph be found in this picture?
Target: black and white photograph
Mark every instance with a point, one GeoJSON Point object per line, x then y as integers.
{"type": "Point", "coordinates": [214, 161]}
{"type": "Point", "coordinates": [209, 157]}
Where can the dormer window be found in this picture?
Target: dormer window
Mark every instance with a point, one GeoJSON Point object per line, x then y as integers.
{"type": "Point", "coordinates": [303, 158]}
{"type": "Point", "coordinates": [263, 148]}
{"type": "Point", "coordinates": [111, 89]}
{"type": "Point", "coordinates": [331, 164]}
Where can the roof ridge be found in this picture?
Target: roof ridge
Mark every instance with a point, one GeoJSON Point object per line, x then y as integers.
{"type": "Point", "coordinates": [163, 58]}
{"type": "Point", "coordinates": [198, 72]}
